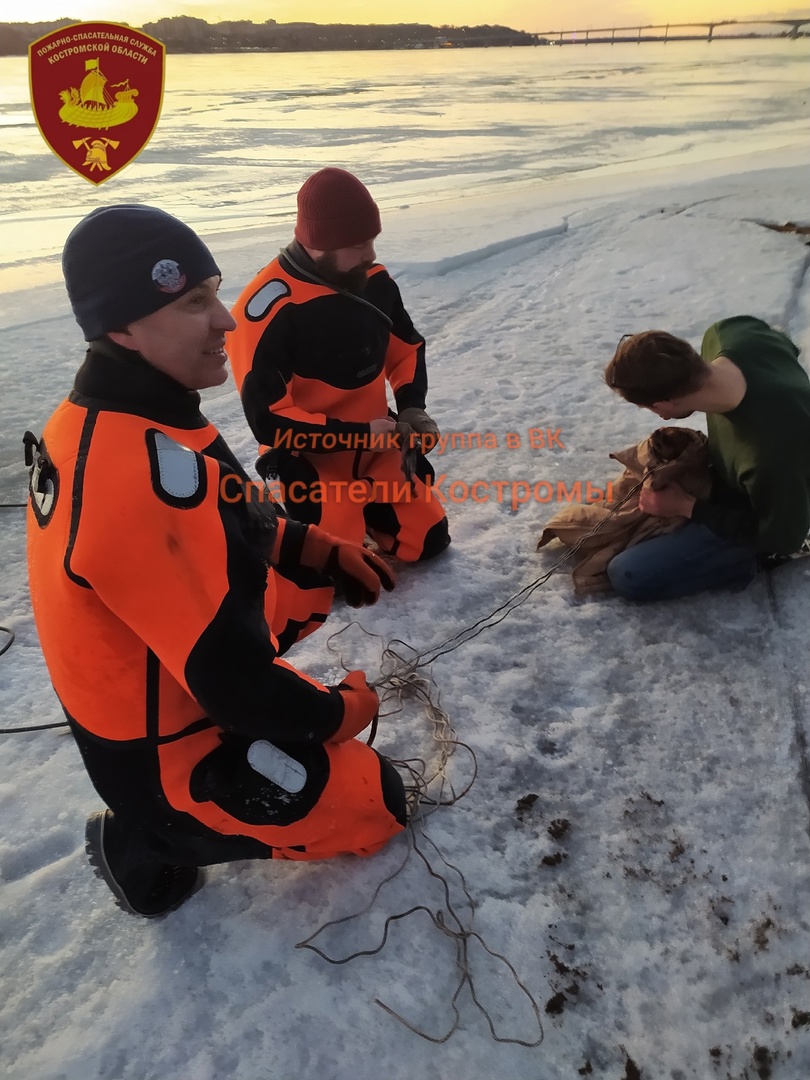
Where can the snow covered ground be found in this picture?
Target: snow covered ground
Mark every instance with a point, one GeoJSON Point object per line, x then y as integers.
{"type": "Point", "coordinates": [653, 896]}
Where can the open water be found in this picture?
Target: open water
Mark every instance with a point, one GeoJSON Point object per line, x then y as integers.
{"type": "Point", "coordinates": [239, 133]}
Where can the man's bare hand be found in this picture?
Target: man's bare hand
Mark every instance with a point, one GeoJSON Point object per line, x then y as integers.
{"type": "Point", "coordinates": [385, 425]}
{"type": "Point", "coordinates": [669, 501]}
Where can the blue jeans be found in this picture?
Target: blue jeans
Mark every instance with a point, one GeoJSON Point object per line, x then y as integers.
{"type": "Point", "coordinates": [683, 562]}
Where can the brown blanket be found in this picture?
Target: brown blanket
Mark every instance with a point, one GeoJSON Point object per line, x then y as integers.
{"type": "Point", "coordinates": [674, 453]}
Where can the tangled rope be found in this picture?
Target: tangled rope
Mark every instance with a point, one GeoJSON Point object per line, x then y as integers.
{"type": "Point", "coordinates": [402, 677]}
{"type": "Point", "coordinates": [429, 787]}
{"type": "Point", "coordinates": [448, 922]}
{"type": "Point", "coordinates": [515, 601]}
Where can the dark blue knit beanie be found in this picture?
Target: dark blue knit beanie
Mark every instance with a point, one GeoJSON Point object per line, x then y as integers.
{"type": "Point", "coordinates": [124, 262]}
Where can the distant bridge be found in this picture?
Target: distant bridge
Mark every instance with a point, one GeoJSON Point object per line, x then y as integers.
{"type": "Point", "coordinates": [585, 37]}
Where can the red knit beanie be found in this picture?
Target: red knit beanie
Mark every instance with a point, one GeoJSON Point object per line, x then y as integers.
{"type": "Point", "coordinates": [335, 211]}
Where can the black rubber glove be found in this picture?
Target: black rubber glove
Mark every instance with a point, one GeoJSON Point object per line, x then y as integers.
{"type": "Point", "coordinates": [422, 425]}
{"type": "Point", "coordinates": [355, 570]}
{"type": "Point", "coordinates": [359, 573]}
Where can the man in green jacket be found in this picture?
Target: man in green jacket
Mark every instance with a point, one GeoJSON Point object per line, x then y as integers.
{"type": "Point", "coordinates": [756, 396]}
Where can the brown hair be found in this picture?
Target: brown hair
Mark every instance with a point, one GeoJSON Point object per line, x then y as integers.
{"type": "Point", "coordinates": [654, 366]}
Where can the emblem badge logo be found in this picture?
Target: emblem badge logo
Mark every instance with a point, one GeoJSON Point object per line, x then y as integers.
{"type": "Point", "coordinates": [96, 91]}
{"type": "Point", "coordinates": [168, 276]}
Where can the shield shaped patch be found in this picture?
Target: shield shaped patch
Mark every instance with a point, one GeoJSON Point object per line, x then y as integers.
{"type": "Point", "coordinates": [96, 91]}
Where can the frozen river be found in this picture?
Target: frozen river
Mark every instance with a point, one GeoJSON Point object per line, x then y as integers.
{"type": "Point", "coordinates": [239, 133]}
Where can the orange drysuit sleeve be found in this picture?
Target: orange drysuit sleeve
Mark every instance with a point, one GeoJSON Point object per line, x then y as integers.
{"type": "Point", "coordinates": [405, 357]}
{"type": "Point", "coordinates": [187, 573]}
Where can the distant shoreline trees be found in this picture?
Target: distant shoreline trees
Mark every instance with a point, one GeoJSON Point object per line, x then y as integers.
{"type": "Point", "coordinates": [185, 34]}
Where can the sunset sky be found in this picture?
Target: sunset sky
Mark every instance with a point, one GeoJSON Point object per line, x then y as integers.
{"type": "Point", "coordinates": [519, 14]}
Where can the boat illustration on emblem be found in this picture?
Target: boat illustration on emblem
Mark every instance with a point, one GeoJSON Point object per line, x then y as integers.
{"type": "Point", "coordinates": [93, 106]}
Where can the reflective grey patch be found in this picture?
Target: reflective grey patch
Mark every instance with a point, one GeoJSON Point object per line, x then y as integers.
{"type": "Point", "coordinates": [260, 303]}
{"type": "Point", "coordinates": [43, 488]}
{"type": "Point", "coordinates": [284, 771]}
{"type": "Point", "coordinates": [178, 472]}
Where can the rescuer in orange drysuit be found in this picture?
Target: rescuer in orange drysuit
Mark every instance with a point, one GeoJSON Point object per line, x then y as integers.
{"type": "Point", "coordinates": [318, 333]}
{"type": "Point", "coordinates": [160, 622]}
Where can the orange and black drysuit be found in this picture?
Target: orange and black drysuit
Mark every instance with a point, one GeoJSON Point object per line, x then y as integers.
{"type": "Point", "coordinates": [161, 628]}
{"type": "Point", "coordinates": [311, 363]}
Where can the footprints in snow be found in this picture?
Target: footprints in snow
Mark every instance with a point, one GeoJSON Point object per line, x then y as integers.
{"type": "Point", "coordinates": [21, 862]}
